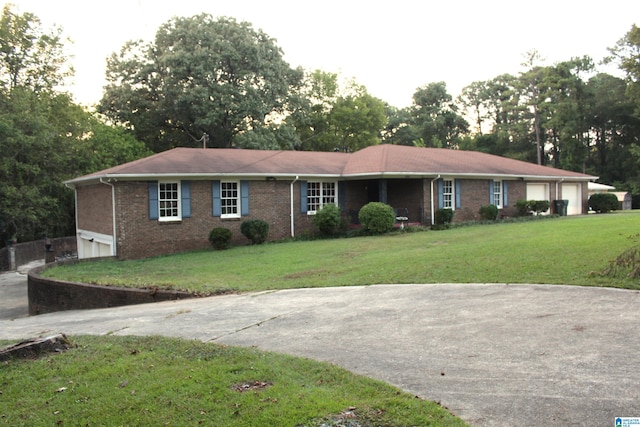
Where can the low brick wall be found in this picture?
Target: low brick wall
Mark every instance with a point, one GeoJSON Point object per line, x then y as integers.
{"type": "Point", "coordinates": [48, 295]}
{"type": "Point", "coordinates": [26, 252]}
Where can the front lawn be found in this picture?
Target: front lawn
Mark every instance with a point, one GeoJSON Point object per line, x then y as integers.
{"type": "Point", "coordinates": [567, 250]}
{"type": "Point", "coordinates": [153, 381]}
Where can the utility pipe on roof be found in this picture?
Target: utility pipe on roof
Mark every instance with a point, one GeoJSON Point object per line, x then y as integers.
{"type": "Point", "coordinates": [433, 214]}
{"type": "Point", "coordinates": [293, 230]}
{"type": "Point", "coordinates": [113, 213]}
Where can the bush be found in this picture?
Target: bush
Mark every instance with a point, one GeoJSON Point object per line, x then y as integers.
{"type": "Point", "coordinates": [444, 216]}
{"type": "Point", "coordinates": [526, 207]}
{"type": "Point", "coordinates": [539, 206]}
{"type": "Point", "coordinates": [377, 217]}
{"type": "Point", "coordinates": [489, 212]}
{"type": "Point", "coordinates": [255, 230]}
{"type": "Point", "coordinates": [328, 220]}
{"type": "Point", "coordinates": [220, 238]}
{"type": "Point", "coordinates": [603, 202]}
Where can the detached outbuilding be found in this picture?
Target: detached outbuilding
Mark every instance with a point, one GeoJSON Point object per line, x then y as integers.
{"type": "Point", "coordinates": [168, 202]}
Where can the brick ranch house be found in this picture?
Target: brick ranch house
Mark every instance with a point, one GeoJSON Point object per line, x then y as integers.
{"type": "Point", "coordinates": [168, 202]}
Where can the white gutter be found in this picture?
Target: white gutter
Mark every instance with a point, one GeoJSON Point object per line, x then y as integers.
{"type": "Point", "coordinates": [433, 214]}
{"type": "Point", "coordinates": [75, 201]}
{"type": "Point", "coordinates": [113, 213]}
{"type": "Point", "coordinates": [293, 230]}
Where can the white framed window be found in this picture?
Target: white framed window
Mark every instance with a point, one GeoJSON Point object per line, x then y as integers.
{"type": "Point", "coordinates": [169, 201]}
{"type": "Point", "coordinates": [447, 194]}
{"type": "Point", "coordinates": [319, 194]}
{"type": "Point", "coordinates": [230, 199]}
{"type": "Point", "coordinates": [497, 194]}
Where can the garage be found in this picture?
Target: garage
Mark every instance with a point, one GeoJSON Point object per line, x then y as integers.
{"type": "Point", "coordinates": [537, 191]}
{"type": "Point", "coordinates": [572, 192]}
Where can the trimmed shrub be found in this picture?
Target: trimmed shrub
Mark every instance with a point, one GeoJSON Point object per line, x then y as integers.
{"type": "Point", "coordinates": [603, 202]}
{"type": "Point", "coordinates": [328, 220]}
{"type": "Point", "coordinates": [526, 207]}
{"type": "Point", "coordinates": [489, 212]}
{"type": "Point", "coordinates": [377, 217]}
{"type": "Point", "coordinates": [523, 207]}
{"type": "Point", "coordinates": [220, 238]}
{"type": "Point", "coordinates": [444, 216]}
{"type": "Point", "coordinates": [255, 230]}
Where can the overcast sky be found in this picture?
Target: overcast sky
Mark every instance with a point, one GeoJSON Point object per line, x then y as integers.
{"type": "Point", "coordinates": [392, 48]}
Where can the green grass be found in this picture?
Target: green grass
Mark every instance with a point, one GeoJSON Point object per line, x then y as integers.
{"type": "Point", "coordinates": [155, 381]}
{"type": "Point", "coordinates": [568, 250]}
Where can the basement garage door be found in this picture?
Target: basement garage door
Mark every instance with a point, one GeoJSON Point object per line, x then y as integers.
{"type": "Point", "coordinates": [572, 193]}
{"type": "Point", "coordinates": [537, 192]}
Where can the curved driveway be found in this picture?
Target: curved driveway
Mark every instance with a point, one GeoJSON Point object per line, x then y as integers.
{"type": "Point", "coordinates": [495, 355]}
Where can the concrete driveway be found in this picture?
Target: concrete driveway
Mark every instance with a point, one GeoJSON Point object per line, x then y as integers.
{"type": "Point", "coordinates": [494, 355]}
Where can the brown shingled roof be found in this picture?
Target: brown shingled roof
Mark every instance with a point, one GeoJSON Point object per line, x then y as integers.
{"type": "Point", "coordinates": [378, 160]}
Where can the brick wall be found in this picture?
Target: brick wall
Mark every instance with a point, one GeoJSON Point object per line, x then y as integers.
{"type": "Point", "coordinates": [95, 212]}
{"type": "Point", "coordinates": [268, 201]}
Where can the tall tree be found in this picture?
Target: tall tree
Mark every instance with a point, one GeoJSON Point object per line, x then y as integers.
{"type": "Point", "coordinates": [436, 117]}
{"type": "Point", "coordinates": [30, 57]}
{"type": "Point", "coordinates": [338, 117]}
{"type": "Point", "coordinates": [200, 76]}
{"type": "Point", "coordinates": [626, 53]}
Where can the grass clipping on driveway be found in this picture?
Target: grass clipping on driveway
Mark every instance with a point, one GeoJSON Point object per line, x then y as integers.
{"type": "Point", "coordinates": [566, 250]}
{"type": "Point", "coordinates": [162, 381]}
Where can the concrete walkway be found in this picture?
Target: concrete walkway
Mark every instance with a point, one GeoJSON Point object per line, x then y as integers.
{"type": "Point", "coordinates": [494, 355]}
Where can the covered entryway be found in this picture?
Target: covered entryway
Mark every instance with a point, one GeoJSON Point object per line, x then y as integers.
{"type": "Point", "coordinates": [573, 193]}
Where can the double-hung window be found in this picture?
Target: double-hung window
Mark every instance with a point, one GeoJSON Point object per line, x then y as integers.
{"type": "Point", "coordinates": [229, 199]}
{"type": "Point", "coordinates": [169, 201]}
{"type": "Point", "coordinates": [497, 194]}
{"type": "Point", "coordinates": [319, 194]}
{"type": "Point", "coordinates": [447, 194]}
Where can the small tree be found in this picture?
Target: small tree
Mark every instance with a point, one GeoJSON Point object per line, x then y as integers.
{"type": "Point", "coordinates": [603, 202]}
{"type": "Point", "coordinates": [376, 217]}
{"type": "Point", "coordinates": [220, 238]}
{"type": "Point", "coordinates": [328, 220]}
{"type": "Point", "coordinates": [255, 230]}
{"type": "Point", "coordinates": [539, 206]}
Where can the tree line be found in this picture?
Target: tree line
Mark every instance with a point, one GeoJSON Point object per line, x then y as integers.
{"type": "Point", "coordinates": [217, 82]}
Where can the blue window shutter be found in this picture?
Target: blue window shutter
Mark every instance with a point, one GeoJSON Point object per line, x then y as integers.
{"type": "Point", "coordinates": [185, 194]}
{"type": "Point", "coordinates": [153, 200]}
{"type": "Point", "coordinates": [215, 196]}
{"type": "Point", "coordinates": [505, 193]}
{"type": "Point", "coordinates": [244, 197]}
{"type": "Point", "coordinates": [303, 197]}
{"type": "Point", "coordinates": [458, 198]}
{"type": "Point", "coordinates": [342, 195]}
{"type": "Point", "coordinates": [440, 194]}
{"type": "Point", "coordinates": [491, 200]}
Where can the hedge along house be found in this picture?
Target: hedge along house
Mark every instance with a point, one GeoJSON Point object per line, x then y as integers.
{"type": "Point", "coordinates": [169, 202]}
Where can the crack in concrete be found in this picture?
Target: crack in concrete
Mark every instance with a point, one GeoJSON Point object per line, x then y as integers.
{"type": "Point", "coordinates": [253, 325]}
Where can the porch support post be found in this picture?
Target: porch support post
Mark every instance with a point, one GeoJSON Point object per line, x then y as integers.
{"type": "Point", "coordinates": [382, 191]}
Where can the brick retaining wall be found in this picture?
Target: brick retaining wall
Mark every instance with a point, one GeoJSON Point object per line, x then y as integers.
{"type": "Point", "coordinates": [48, 295]}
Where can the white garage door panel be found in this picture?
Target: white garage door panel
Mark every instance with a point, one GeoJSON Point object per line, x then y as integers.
{"type": "Point", "coordinates": [572, 193]}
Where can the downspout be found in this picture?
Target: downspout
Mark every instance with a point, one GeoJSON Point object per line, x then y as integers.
{"type": "Point", "coordinates": [293, 230]}
{"type": "Point", "coordinates": [114, 247]}
{"type": "Point", "coordinates": [433, 214]}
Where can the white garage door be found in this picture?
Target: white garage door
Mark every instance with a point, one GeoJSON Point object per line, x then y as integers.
{"type": "Point", "coordinates": [572, 193]}
{"type": "Point", "coordinates": [538, 192]}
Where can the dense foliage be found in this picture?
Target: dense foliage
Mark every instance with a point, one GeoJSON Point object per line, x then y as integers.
{"type": "Point", "coordinates": [45, 138]}
{"type": "Point", "coordinates": [376, 217]}
{"type": "Point", "coordinates": [255, 230]}
{"type": "Point", "coordinates": [444, 216]}
{"type": "Point", "coordinates": [603, 202]}
{"type": "Point", "coordinates": [201, 78]}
